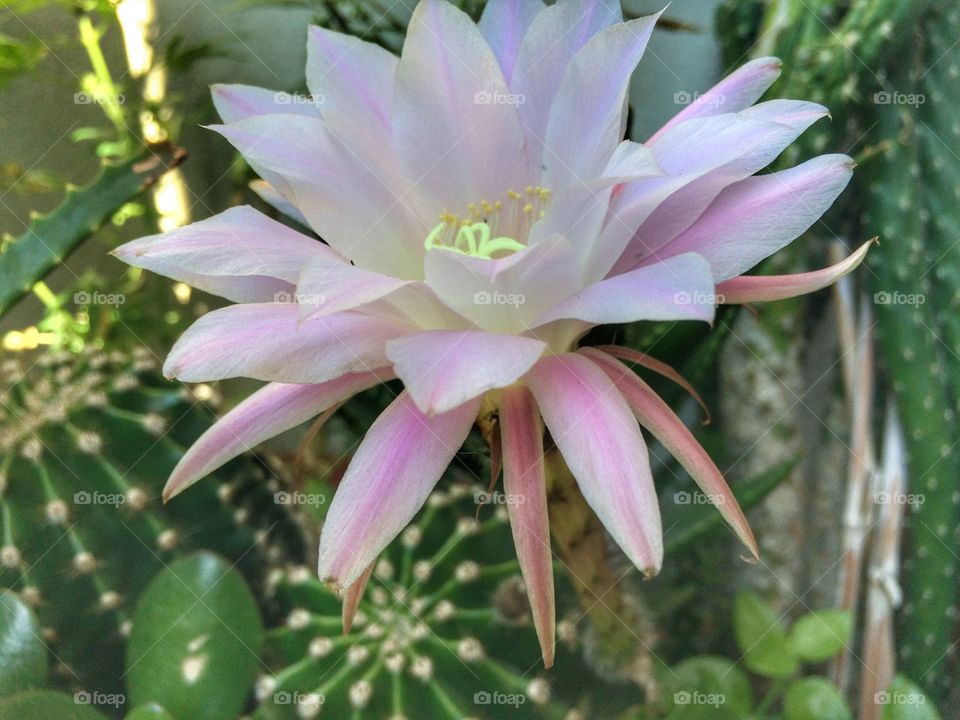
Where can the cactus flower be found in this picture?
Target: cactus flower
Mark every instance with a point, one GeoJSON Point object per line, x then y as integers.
{"type": "Point", "coordinates": [479, 212]}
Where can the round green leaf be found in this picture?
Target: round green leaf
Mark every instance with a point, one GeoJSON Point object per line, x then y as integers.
{"type": "Point", "coordinates": [905, 701]}
{"type": "Point", "coordinates": [709, 687]}
{"type": "Point", "coordinates": [194, 648]}
{"type": "Point", "coordinates": [818, 636]}
{"type": "Point", "coordinates": [814, 698]}
{"type": "Point", "coordinates": [761, 638]}
{"type": "Point", "coordinates": [47, 705]}
{"type": "Point", "coordinates": [23, 656]}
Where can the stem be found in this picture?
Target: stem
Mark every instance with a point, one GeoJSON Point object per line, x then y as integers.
{"type": "Point", "coordinates": [106, 92]}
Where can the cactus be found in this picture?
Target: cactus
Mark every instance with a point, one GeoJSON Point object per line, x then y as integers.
{"type": "Point", "coordinates": [86, 443]}
{"type": "Point", "coordinates": [443, 630]}
{"type": "Point", "coordinates": [51, 237]}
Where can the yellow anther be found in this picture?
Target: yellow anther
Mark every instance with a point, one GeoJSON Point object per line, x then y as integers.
{"type": "Point", "coordinates": [528, 208]}
{"type": "Point", "coordinates": [513, 194]}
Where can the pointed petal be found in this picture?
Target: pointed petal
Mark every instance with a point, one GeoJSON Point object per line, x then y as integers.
{"type": "Point", "coordinates": [600, 440]}
{"type": "Point", "coordinates": [442, 369]}
{"type": "Point", "coordinates": [456, 132]}
{"type": "Point", "coordinates": [352, 597]}
{"type": "Point", "coordinates": [655, 415]}
{"type": "Point", "coordinates": [525, 487]}
{"type": "Point", "coordinates": [680, 288]}
{"type": "Point", "coordinates": [267, 341]}
{"type": "Point", "coordinates": [651, 363]}
{"type": "Point", "coordinates": [273, 409]}
{"type": "Point", "coordinates": [739, 90]}
{"type": "Point", "coordinates": [327, 287]}
{"type": "Point", "coordinates": [766, 288]}
{"type": "Point", "coordinates": [756, 217]}
{"type": "Point", "coordinates": [393, 471]}
{"type": "Point", "coordinates": [275, 199]}
{"type": "Point", "coordinates": [236, 102]}
{"type": "Point", "coordinates": [799, 114]}
{"type": "Point", "coordinates": [504, 24]}
{"type": "Point", "coordinates": [587, 115]}
{"type": "Point", "coordinates": [240, 254]}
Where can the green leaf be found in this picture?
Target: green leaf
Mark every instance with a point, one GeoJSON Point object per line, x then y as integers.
{"type": "Point", "coordinates": [814, 698]}
{"type": "Point", "coordinates": [23, 656]}
{"type": "Point", "coordinates": [47, 705]}
{"type": "Point", "coordinates": [818, 636]}
{"type": "Point", "coordinates": [195, 644]}
{"type": "Point", "coordinates": [761, 638]}
{"type": "Point", "coordinates": [905, 701]}
{"type": "Point", "coordinates": [51, 237]}
{"type": "Point", "coordinates": [689, 523]}
{"type": "Point", "coordinates": [709, 687]}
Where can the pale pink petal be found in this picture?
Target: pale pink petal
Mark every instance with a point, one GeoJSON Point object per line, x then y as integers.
{"type": "Point", "coordinates": [236, 102]}
{"type": "Point", "coordinates": [767, 288]}
{"type": "Point", "coordinates": [680, 288]}
{"type": "Point", "coordinates": [443, 369]}
{"type": "Point", "coordinates": [456, 132]}
{"type": "Point", "coordinates": [350, 191]}
{"type": "Point", "coordinates": [240, 254]}
{"type": "Point", "coordinates": [275, 199]}
{"type": "Point", "coordinates": [352, 597]}
{"type": "Point", "coordinates": [799, 114]}
{"type": "Point", "coordinates": [267, 341]}
{"type": "Point", "coordinates": [327, 287]}
{"type": "Point", "coordinates": [739, 90]}
{"type": "Point", "coordinates": [598, 435]}
{"type": "Point", "coordinates": [657, 366]}
{"type": "Point", "coordinates": [525, 487]}
{"type": "Point", "coordinates": [352, 81]}
{"type": "Point", "coordinates": [756, 217]}
{"type": "Point", "coordinates": [655, 415]}
{"type": "Point", "coordinates": [272, 410]}
{"type": "Point", "coordinates": [393, 471]}
{"type": "Point", "coordinates": [509, 294]}
{"type": "Point", "coordinates": [553, 39]}
{"type": "Point", "coordinates": [504, 24]}
{"type": "Point", "coordinates": [587, 115]}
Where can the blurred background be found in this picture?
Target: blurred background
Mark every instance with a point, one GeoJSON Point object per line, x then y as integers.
{"type": "Point", "coordinates": [833, 416]}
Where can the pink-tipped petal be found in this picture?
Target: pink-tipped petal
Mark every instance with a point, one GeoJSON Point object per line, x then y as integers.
{"type": "Point", "coordinates": [237, 102]}
{"type": "Point", "coordinates": [680, 288]}
{"type": "Point", "coordinates": [525, 486]}
{"type": "Point", "coordinates": [767, 288]}
{"type": "Point", "coordinates": [327, 287]}
{"type": "Point", "coordinates": [655, 415]}
{"type": "Point", "coordinates": [240, 254]}
{"type": "Point", "coordinates": [587, 116]}
{"type": "Point", "coordinates": [504, 24]}
{"type": "Point", "coordinates": [352, 597]}
{"type": "Point", "coordinates": [739, 90]}
{"type": "Point", "coordinates": [269, 342]}
{"type": "Point", "coordinates": [393, 471]}
{"type": "Point", "coordinates": [657, 366]}
{"type": "Point", "coordinates": [598, 435]}
{"type": "Point", "coordinates": [273, 409]}
{"type": "Point", "coordinates": [442, 369]}
{"type": "Point", "coordinates": [754, 218]}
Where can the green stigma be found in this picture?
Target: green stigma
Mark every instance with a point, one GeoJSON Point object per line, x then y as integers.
{"type": "Point", "coordinates": [473, 239]}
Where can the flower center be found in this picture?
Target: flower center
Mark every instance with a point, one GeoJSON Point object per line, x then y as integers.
{"type": "Point", "coordinates": [491, 230]}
